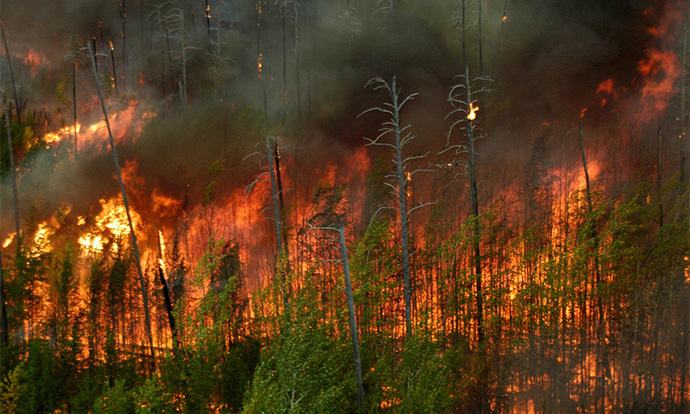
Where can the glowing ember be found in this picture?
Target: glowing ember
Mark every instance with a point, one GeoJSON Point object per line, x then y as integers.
{"type": "Point", "coordinates": [472, 114]}
{"type": "Point", "coordinates": [8, 240]}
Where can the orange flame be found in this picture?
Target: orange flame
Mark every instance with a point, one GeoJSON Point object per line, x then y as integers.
{"type": "Point", "coordinates": [33, 59]}
{"type": "Point", "coordinates": [9, 240]}
{"type": "Point", "coordinates": [472, 114]}
{"type": "Point", "coordinates": [110, 225]}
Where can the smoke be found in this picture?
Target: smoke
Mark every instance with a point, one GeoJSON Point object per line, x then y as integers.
{"type": "Point", "coordinates": [547, 60]}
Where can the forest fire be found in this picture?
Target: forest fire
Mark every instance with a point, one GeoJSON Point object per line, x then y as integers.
{"type": "Point", "coordinates": [279, 258]}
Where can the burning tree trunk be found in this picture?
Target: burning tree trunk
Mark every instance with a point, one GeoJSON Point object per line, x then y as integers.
{"type": "Point", "coordinates": [147, 318]}
{"type": "Point", "coordinates": [399, 179]}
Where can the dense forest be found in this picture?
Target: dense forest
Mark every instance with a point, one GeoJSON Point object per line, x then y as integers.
{"type": "Point", "coordinates": [340, 206]}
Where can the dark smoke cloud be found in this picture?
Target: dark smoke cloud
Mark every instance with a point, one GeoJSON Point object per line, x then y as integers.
{"type": "Point", "coordinates": [546, 61]}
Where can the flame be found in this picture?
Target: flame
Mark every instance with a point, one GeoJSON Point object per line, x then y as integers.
{"type": "Point", "coordinates": [161, 257]}
{"type": "Point", "coordinates": [659, 71]}
{"type": "Point", "coordinates": [9, 240]}
{"type": "Point", "coordinates": [62, 133]}
{"type": "Point", "coordinates": [111, 46]}
{"type": "Point", "coordinates": [127, 123]}
{"type": "Point", "coordinates": [472, 114]}
{"type": "Point", "coordinates": [41, 243]}
{"type": "Point", "coordinates": [110, 225]}
{"type": "Point", "coordinates": [33, 59]}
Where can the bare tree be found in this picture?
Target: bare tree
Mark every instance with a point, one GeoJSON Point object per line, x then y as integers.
{"type": "Point", "coordinates": [398, 179]}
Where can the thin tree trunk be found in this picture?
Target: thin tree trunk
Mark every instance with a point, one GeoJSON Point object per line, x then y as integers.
{"type": "Point", "coordinates": [124, 44]}
{"type": "Point", "coordinates": [207, 14]}
{"type": "Point", "coordinates": [147, 318]}
{"type": "Point", "coordinates": [15, 192]}
{"type": "Point", "coordinates": [479, 23]}
{"type": "Point", "coordinates": [74, 97]}
{"type": "Point", "coordinates": [297, 63]}
{"type": "Point", "coordinates": [402, 198]}
{"type": "Point", "coordinates": [281, 257]}
{"type": "Point", "coordinates": [659, 178]}
{"type": "Point", "coordinates": [17, 104]}
{"type": "Point", "coordinates": [353, 321]}
{"type": "Point", "coordinates": [112, 60]}
{"type": "Point", "coordinates": [168, 307]}
{"type": "Point", "coordinates": [477, 261]}
{"type": "Point", "coordinates": [598, 319]}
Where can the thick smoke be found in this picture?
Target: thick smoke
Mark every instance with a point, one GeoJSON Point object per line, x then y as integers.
{"type": "Point", "coordinates": [546, 60]}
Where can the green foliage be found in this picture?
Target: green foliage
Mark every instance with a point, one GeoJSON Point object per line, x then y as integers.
{"type": "Point", "coordinates": [152, 398]}
{"type": "Point", "coordinates": [416, 380]}
{"type": "Point", "coordinates": [114, 400]}
{"type": "Point", "coordinates": [303, 370]}
{"type": "Point", "coordinates": [12, 390]}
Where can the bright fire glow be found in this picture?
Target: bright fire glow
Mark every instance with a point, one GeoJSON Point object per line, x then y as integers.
{"type": "Point", "coordinates": [161, 258]}
{"type": "Point", "coordinates": [62, 133]}
{"type": "Point", "coordinates": [8, 240]}
{"type": "Point", "coordinates": [472, 114]}
{"type": "Point", "coordinates": [41, 243]}
{"type": "Point", "coordinates": [110, 225]}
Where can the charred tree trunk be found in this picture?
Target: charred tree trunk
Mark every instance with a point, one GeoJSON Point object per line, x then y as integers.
{"type": "Point", "coordinates": [17, 104]}
{"type": "Point", "coordinates": [74, 96]}
{"type": "Point", "coordinates": [659, 177]}
{"type": "Point", "coordinates": [147, 317]}
{"type": "Point", "coordinates": [281, 259]}
{"type": "Point", "coordinates": [112, 61]}
{"type": "Point", "coordinates": [13, 169]}
{"type": "Point", "coordinates": [479, 34]}
{"type": "Point", "coordinates": [123, 12]}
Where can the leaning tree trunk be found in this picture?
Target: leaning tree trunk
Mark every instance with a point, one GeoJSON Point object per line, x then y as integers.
{"type": "Point", "coordinates": [147, 318]}
{"type": "Point", "coordinates": [352, 319]}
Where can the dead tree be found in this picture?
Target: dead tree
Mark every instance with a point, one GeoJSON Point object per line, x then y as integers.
{"type": "Point", "coordinates": [463, 98]}
{"type": "Point", "coordinates": [398, 179]}
{"type": "Point", "coordinates": [133, 237]}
